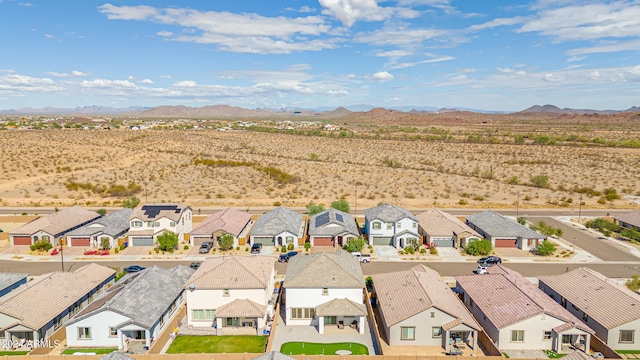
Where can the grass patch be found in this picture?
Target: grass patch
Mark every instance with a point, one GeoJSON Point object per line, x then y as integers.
{"type": "Point", "coordinates": [628, 351]}
{"type": "Point", "coordinates": [553, 355]}
{"type": "Point", "coordinates": [10, 353]}
{"type": "Point", "coordinates": [217, 344]}
{"type": "Point", "coordinates": [298, 348]}
{"type": "Point", "coordinates": [98, 351]}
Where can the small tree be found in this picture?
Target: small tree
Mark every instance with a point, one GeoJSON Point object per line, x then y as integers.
{"type": "Point", "coordinates": [105, 244]}
{"type": "Point", "coordinates": [102, 212]}
{"type": "Point", "coordinates": [521, 220]}
{"type": "Point", "coordinates": [633, 284]}
{"type": "Point", "coordinates": [354, 244]}
{"type": "Point", "coordinates": [479, 247]}
{"type": "Point", "coordinates": [342, 205]}
{"type": "Point", "coordinates": [131, 202]}
{"type": "Point", "coordinates": [225, 242]}
{"type": "Point", "coordinates": [545, 248]}
{"type": "Point", "coordinates": [167, 241]}
{"type": "Point", "coordinates": [307, 246]}
{"type": "Point", "coordinates": [314, 208]}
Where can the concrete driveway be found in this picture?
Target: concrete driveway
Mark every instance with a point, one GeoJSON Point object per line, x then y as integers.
{"type": "Point", "coordinates": [386, 253]}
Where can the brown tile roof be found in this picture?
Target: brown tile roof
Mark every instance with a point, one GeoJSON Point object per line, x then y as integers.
{"type": "Point", "coordinates": [233, 272]}
{"type": "Point", "coordinates": [602, 299]}
{"type": "Point", "coordinates": [58, 291]}
{"type": "Point", "coordinates": [228, 220]}
{"type": "Point", "coordinates": [340, 307]}
{"type": "Point", "coordinates": [506, 297]}
{"type": "Point", "coordinates": [58, 222]}
{"type": "Point", "coordinates": [439, 223]}
{"type": "Point", "coordinates": [241, 308]}
{"type": "Point", "coordinates": [339, 270]}
{"type": "Point", "coordinates": [403, 294]}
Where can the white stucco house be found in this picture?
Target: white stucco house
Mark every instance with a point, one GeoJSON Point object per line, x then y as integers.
{"type": "Point", "coordinates": [149, 221]}
{"type": "Point", "coordinates": [139, 310]}
{"type": "Point", "coordinates": [325, 290]}
{"type": "Point", "coordinates": [233, 294]}
{"type": "Point", "coordinates": [391, 225]}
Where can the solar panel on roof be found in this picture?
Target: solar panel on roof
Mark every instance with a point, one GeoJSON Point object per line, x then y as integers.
{"type": "Point", "coordinates": [339, 217]}
{"type": "Point", "coordinates": [152, 211]}
{"type": "Point", "coordinates": [322, 219]}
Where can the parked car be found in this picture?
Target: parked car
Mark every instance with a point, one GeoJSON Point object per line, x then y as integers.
{"type": "Point", "coordinates": [256, 248]}
{"type": "Point", "coordinates": [205, 247]}
{"type": "Point", "coordinates": [133, 268]}
{"type": "Point", "coordinates": [285, 257]}
{"type": "Point", "coordinates": [194, 265]}
{"type": "Point", "coordinates": [490, 261]}
{"type": "Point", "coordinates": [481, 269]}
{"type": "Point", "coordinates": [363, 258]}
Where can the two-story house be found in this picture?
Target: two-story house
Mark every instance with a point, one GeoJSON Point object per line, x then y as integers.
{"type": "Point", "coordinates": [149, 221]}
{"type": "Point", "coordinates": [391, 225]}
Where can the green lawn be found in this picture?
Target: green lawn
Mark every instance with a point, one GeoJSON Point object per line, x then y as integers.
{"type": "Point", "coordinates": [299, 348]}
{"type": "Point", "coordinates": [553, 355]}
{"type": "Point", "coordinates": [3, 353]}
{"type": "Point", "coordinates": [628, 351]}
{"type": "Point", "coordinates": [217, 344]}
{"type": "Point", "coordinates": [98, 351]}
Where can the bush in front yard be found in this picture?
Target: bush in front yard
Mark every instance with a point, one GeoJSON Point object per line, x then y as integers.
{"type": "Point", "coordinates": [479, 247]}
{"type": "Point", "coordinates": [41, 245]}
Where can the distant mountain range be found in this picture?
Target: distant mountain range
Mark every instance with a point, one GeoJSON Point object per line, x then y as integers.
{"type": "Point", "coordinates": [238, 112]}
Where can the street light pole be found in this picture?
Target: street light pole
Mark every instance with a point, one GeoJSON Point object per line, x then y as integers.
{"type": "Point", "coordinates": [580, 207]}
{"type": "Point", "coordinates": [518, 208]}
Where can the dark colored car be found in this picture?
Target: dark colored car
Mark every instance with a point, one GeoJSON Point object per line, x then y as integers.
{"type": "Point", "coordinates": [256, 248]}
{"type": "Point", "coordinates": [285, 257]}
{"type": "Point", "coordinates": [205, 247]}
{"type": "Point", "coordinates": [133, 268]}
{"type": "Point", "coordinates": [490, 260]}
{"type": "Point", "coordinates": [194, 265]}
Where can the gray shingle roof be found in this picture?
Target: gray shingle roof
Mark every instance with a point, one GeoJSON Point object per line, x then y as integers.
{"type": "Point", "coordinates": [112, 224]}
{"type": "Point", "coordinates": [8, 279]}
{"type": "Point", "coordinates": [334, 226]}
{"type": "Point", "coordinates": [602, 299]}
{"type": "Point", "coordinates": [632, 217]}
{"type": "Point", "coordinates": [388, 213]}
{"type": "Point", "coordinates": [147, 296]}
{"type": "Point", "coordinates": [339, 270]}
{"type": "Point", "coordinates": [496, 225]}
{"type": "Point", "coordinates": [277, 221]}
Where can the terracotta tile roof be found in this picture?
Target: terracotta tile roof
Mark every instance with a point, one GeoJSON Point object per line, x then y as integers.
{"type": "Point", "coordinates": [340, 307]}
{"type": "Point", "coordinates": [602, 299]}
{"type": "Point", "coordinates": [233, 272]}
{"type": "Point", "coordinates": [339, 270]}
{"type": "Point", "coordinates": [632, 217]}
{"type": "Point", "coordinates": [58, 222]}
{"type": "Point", "coordinates": [58, 291]}
{"type": "Point", "coordinates": [439, 223]}
{"type": "Point", "coordinates": [451, 324]}
{"type": "Point", "coordinates": [153, 212]}
{"type": "Point", "coordinates": [506, 297]}
{"type": "Point", "coordinates": [228, 220]}
{"type": "Point", "coordinates": [241, 308]}
{"type": "Point", "coordinates": [403, 294]}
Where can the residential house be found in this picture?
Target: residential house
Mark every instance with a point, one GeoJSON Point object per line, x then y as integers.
{"type": "Point", "coordinates": [138, 311]}
{"type": "Point", "coordinates": [391, 225]}
{"type": "Point", "coordinates": [233, 294]}
{"type": "Point", "coordinates": [227, 221]}
{"type": "Point", "coordinates": [149, 221]}
{"type": "Point", "coordinates": [444, 230]}
{"type": "Point", "coordinates": [103, 231]}
{"type": "Point", "coordinates": [279, 226]}
{"type": "Point", "coordinates": [52, 227]}
{"type": "Point", "coordinates": [332, 227]}
{"type": "Point", "coordinates": [37, 309]}
{"type": "Point", "coordinates": [628, 220]}
{"type": "Point", "coordinates": [503, 231]}
{"type": "Point", "coordinates": [417, 308]}
{"type": "Point", "coordinates": [610, 309]}
{"type": "Point", "coordinates": [325, 290]}
{"type": "Point", "coordinates": [11, 281]}
{"type": "Point", "coordinates": [518, 316]}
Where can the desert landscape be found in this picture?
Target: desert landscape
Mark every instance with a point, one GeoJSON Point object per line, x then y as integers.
{"type": "Point", "coordinates": [450, 159]}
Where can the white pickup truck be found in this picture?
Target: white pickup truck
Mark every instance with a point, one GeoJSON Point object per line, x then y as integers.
{"type": "Point", "coordinates": [363, 258]}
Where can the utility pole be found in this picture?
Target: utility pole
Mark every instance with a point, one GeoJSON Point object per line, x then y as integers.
{"type": "Point", "coordinates": [518, 208]}
{"type": "Point", "coordinates": [580, 207]}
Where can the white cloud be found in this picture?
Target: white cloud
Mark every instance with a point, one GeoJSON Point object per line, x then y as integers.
{"type": "Point", "coordinates": [164, 33]}
{"type": "Point", "coordinates": [382, 76]}
{"type": "Point", "coordinates": [632, 45]}
{"type": "Point", "coordinates": [351, 76]}
{"type": "Point", "coordinates": [185, 83]}
{"type": "Point", "coordinates": [26, 4]}
{"type": "Point", "coordinates": [106, 83]}
{"type": "Point", "coordinates": [140, 12]}
{"type": "Point", "coordinates": [146, 81]}
{"type": "Point", "coordinates": [165, 76]}
{"type": "Point", "coordinates": [497, 22]}
{"type": "Point", "coordinates": [400, 37]}
{"type": "Point", "coordinates": [393, 53]}
{"type": "Point", "coordinates": [350, 11]}
{"type": "Point", "coordinates": [56, 74]}
{"type": "Point", "coordinates": [49, 36]}
{"type": "Point", "coordinates": [433, 59]}
{"type": "Point", "coordinates": [302, 9]}
{"type": "Point", "coordinates": [79, 73]}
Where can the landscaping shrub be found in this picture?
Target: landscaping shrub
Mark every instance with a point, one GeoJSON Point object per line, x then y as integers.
{"type": "Point", "coordinates": [41, 245]}
{"type": "Point", "coordinates": [290, 247]}
{"type": "Point", "coordinates": [307, 246]}
{"type": "Point", "coordinates": [479, 247]}
{"type": "Point", "coordinates": [354, 245]}
{"type": "Point", "coordinates": [545, 248]}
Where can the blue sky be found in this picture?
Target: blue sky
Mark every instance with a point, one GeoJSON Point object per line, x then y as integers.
{"type": "Point", "coordinates": [480, 54]}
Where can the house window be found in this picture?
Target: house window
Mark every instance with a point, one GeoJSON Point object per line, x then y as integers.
{"type": "Point", "coordinates": [399, 225]}
{"type": "Point", "coordinates": [302, 313]}
{"type": "Point", "coordinates": [585, 317]}
{"type": "Point", "coordinates": [546, 335]}
{"type": "Point", "coordinates": [149, 223]}
{"type": "Point", "coordinates": [209, 314]}
{"type": "Point", "coordinates": [433, 314]}
{"type": "Point", "coordinates": [197, 314]}
{"type": "Point", "coordinates": [225, 292]}
{"type": "Point", "coordinates": [172, 224]}
{"type": "Point", "coordinates": [136, 224]}
{"type": "Point", "coordinates": [113, 332]}
{"type": "Point", "coordinates": [57, 322]}
{"type": "Point", "coordinates": [436, 331]}
{"type": "Point", "coordinates": [414, 225]}
{"type": "Point", "coordinates": [156, 224]}
{"type": "Point", "coordinates": [325, 291]}
{"type": "Point", "coordinates": [84, 333]}
{"type": "Point", "coordinates": [289, 239]}
{"type": "Point", "coordinates": [626, 336]}
{"type": "Point", "coordinates": [161, 321]}
{"type": "Point", "coordinates": [45, 238]}
{"type": "Point", "coordinates": [375, 225]}
{"type": "Point", "coordinates": [172, 308]}
{"type": "Point", "coordinates": [407, 333]}
{"type": "Point", "coordinates": [389, 226]}
{"type": "Point", "coordinates": [517, 335]}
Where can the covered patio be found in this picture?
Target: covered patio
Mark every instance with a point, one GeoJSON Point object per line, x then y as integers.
{"type": "Point", "coordinates": [458, 335]}
{"type": "Point", "coordinates": [340, 314]}
{"type": "Point", "coordinates": [568, 338]}
{"type": "Point", "coordinates": [241, 317]}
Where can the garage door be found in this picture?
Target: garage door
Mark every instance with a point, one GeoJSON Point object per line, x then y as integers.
{"type": "Point", "coordinates": [198, 240]}
{"type": "Point", "coordinates": [379, 240]}
{"type": "Point", "coordinates": [80, 242]}
{"type": "Point", "coordinates": [22, 240]}
{"type": "Point", "coordinates": [506, 243]}
{"type": "Point", "coordinates": [322, 241]}
{"type": "Point", "coordinates": [266, 241]}
{"type": "Point", "coordinates": [443, 242]}
{"type": "Point", "coordinates": [141, 241]}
